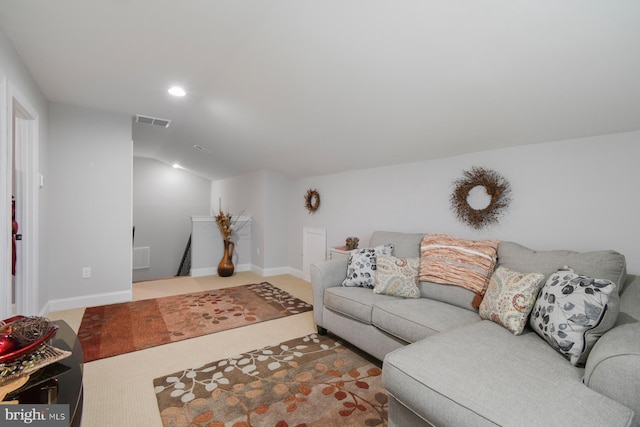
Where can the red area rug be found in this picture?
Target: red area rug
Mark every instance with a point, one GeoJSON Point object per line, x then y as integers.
{"type": "Point", "coordinates": [309, 381]}
{"type": "Point", "coordinates": [114, 329]}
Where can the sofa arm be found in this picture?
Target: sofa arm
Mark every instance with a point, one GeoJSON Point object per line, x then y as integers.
{"type": "Point", "coordinates": [613, 366]}
{"type": "Point", "coordinates": [325, 274]}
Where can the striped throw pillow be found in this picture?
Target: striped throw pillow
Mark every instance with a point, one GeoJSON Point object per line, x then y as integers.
{"type": "Point", "coordinates": [460, 262]}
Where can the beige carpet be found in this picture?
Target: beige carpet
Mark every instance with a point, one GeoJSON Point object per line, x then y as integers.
{"type": "Point", "coordinates": [119, 390]}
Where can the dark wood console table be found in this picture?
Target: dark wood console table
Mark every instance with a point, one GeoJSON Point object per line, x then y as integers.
{"type": "Point", "coordinates": [60, 382]}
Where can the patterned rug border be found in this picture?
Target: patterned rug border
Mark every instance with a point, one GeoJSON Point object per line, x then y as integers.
{"type": "Point", "coordinates": [115, 329]}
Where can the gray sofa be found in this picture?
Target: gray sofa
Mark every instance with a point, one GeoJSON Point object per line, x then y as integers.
{"type": "Point", "coordinates": [445, 366]}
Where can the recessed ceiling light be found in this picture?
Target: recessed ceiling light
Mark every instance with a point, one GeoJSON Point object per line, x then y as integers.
{"type": "Point", "coordinates": [177, 91]}
{"type": "Point", "coordinates": [177, 166]}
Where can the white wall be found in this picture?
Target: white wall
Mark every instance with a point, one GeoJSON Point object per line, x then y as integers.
{"type": "Point", "coordinates": [164, 199]}
{"type": "Point", "coordinates": [244, 195]}
{"type": "Point", "coordinates": [89, 184]}
{"type": "Point", "coordinates": [263, 195]}
{"type": "Point", "coordinates": [578, 194]}
{"type": "Point", "coordinates": [277, 194]}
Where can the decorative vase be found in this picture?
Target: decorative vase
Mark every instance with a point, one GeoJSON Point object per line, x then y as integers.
{"type": "Point", "coordinates": [225, 268]}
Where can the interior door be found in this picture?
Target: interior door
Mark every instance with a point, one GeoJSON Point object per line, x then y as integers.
{"type": "Point", "coordinates": [314, 249]}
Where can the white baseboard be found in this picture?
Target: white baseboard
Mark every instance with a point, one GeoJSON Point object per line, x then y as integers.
{"type": "Point", "coordinates": [213, 271]}
{"type": "Point", "coordinates": [268, 272]}
{"type": "Point", "coordinates": [296, 273]}
{"type": "Point", "coordinates": [199, 272]}
{"type": "Point", "coordinates": [86, 301]}
{"type": "Point", "coordinates": [124, 296]}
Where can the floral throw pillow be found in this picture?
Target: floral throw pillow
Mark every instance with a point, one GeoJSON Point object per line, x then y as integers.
{"type": "Point", "coordinates": [568, 307]}
{"type": "Point", "coordinates": [361, 269]}
{"type": "Point", "coordinates": [510, 297]}
{"type": "Point", "coordinates": [397, 276]}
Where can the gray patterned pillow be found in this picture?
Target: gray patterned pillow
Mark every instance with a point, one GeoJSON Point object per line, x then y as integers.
{"type": "Point", "coordinates": [568, 307]}
{"type": "Point", "coordinates": [361, 269]}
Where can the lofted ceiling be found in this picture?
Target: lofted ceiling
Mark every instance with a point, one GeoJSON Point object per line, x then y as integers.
{"type": "Point", "coordinates": [308, 87]}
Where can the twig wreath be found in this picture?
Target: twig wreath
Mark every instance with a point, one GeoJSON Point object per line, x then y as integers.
{"type": "Point", "coordinates": [497, 188]}
{"type": "Point", "coordinates": [312, 200]}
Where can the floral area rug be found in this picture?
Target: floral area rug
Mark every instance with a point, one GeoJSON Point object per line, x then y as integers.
{"type": "Point", "coordinates": [308, 381]}
{"type": "Point", "coordinates": [114, 329]}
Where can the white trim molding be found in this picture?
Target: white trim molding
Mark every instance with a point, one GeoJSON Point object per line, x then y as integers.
{"type": "Point", "coordinates": [276, 271]}
{"type": "Point", "coordinates": [213, 271]}
{"type": "Point", "coordinates": [25, 122]}
{"type": "Point", "coordinates": [5, 200]}
{"type": "Point", "coordinates": [87, 301]}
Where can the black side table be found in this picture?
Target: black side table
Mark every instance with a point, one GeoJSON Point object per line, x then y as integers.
{"type": "Point", "coordinates": [60, 382]}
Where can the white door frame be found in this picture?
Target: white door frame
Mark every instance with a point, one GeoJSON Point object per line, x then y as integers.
{"type": "Point", "coordinates": [17, 114]}
{"type": "Point", "coordinates": [5, 200]}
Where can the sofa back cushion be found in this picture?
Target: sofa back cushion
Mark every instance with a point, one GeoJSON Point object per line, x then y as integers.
{"type": "Point", "coordinates": [451, 294]}
{"type": "Point", "coordinates": [607, 265]}
{"type": "Point", "coordinates": [405, 245]}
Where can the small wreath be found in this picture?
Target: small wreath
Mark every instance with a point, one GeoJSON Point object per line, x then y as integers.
{"type": "Point", "coordinates": [312, 200]}
{"type": "Point", "coordinates": [496, 186]}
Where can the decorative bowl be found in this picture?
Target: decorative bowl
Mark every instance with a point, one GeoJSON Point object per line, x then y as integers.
{"type": "Point", "coordinates": [30, 347]}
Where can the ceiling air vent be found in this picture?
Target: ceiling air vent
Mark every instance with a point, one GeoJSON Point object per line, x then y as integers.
{"type": "Point", "coordinates": [201, 148]}
{"type": "Point", "coordinates": [152, 121]}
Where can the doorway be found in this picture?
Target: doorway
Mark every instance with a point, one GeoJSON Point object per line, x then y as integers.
{"type": "Point", "coordinates": [19, 146]}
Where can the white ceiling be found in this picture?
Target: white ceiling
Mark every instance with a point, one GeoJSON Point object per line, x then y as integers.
{"type": "Point", "coordinates": [316, 87]}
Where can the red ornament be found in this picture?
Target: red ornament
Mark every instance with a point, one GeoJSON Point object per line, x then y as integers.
{"type": "Point", "coordinates": [7, 344]}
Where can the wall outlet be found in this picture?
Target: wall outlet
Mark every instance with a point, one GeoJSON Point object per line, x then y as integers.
{"type": "Point", "coordinates": [86, 272]}
{"type": "Point", "coordinates": [258, 251]}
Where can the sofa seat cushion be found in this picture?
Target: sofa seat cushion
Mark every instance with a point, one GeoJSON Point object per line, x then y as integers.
{"type": "Point", "coordinates": [415, 319]}
{"type": "Point", "coordinates": [481, 374]}
{"type": "Point", "coordinates": [354, 302]}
